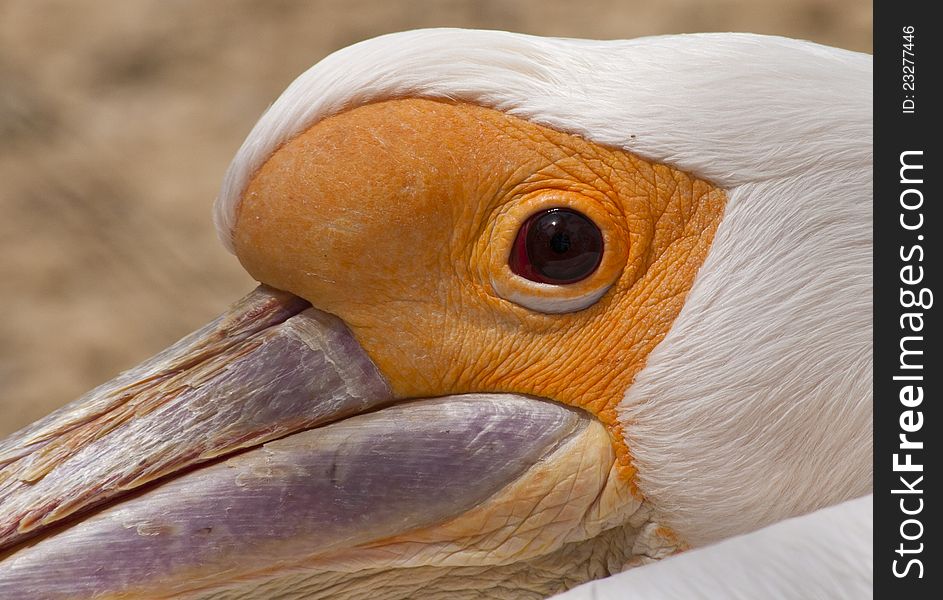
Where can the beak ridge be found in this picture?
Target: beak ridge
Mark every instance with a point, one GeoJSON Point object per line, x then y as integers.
{"type": "Point", "coordinates": [267, 368]}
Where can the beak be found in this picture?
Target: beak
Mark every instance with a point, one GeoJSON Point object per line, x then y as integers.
{"type": "Point", "coordinates": [264, 439]}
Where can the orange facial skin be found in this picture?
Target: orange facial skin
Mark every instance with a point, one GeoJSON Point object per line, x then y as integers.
{"type": "Point", "coordinates": [398, 217]}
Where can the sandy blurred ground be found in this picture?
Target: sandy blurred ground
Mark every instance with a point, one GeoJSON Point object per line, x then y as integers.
{"type": "Point", "coordinates": [118, 118]}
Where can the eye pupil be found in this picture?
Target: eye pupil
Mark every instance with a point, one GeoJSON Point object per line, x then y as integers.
{"type": "Point", "coordinates": [557, 246]}
{"type": "Point", "coordinates": [560, 243]}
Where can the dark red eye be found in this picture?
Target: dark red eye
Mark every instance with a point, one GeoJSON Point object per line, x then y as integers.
{"type": "Point", "coordinates": [557, 246]}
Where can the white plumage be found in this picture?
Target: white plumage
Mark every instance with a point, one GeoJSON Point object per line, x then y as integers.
{"type": "Point", "coordinates": [826, 555]}
{"type": "Point", "coordinates": [732, 108]}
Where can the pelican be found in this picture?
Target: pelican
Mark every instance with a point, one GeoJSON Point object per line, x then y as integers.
{"type": "Point", "coordinates": [532, 312]}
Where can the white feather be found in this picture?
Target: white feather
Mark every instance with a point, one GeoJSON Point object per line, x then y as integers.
{"type": "Point", "coordinates": [757, 404]}
{"type": "Point", "coordinates": [826, 555]}
{"type": "Point", "coordinates": [734, 108]}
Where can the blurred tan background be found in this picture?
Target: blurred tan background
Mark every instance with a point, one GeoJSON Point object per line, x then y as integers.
{"type": "Point", "coordinates": [118, 118]}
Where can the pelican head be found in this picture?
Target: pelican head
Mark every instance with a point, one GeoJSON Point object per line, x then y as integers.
{"type": "Point", "coordinates": [532, 311]}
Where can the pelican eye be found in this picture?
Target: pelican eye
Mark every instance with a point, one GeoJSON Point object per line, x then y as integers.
{"type": "Point", "coordinates": [557, 246]}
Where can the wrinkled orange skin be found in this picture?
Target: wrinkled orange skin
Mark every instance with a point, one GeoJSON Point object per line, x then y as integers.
{"type": "Point", "coordinates": [385, 216]}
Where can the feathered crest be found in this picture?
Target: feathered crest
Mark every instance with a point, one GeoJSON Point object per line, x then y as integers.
{"type": "Point", "coordinates": [731, 108]}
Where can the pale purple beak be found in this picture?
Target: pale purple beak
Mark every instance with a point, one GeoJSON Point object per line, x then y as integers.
{"type": "Point", "coordinates": [263, 440]}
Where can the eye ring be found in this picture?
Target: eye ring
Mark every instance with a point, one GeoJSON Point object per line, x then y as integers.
{"type": "Point", "coordinates": [541, 296]}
